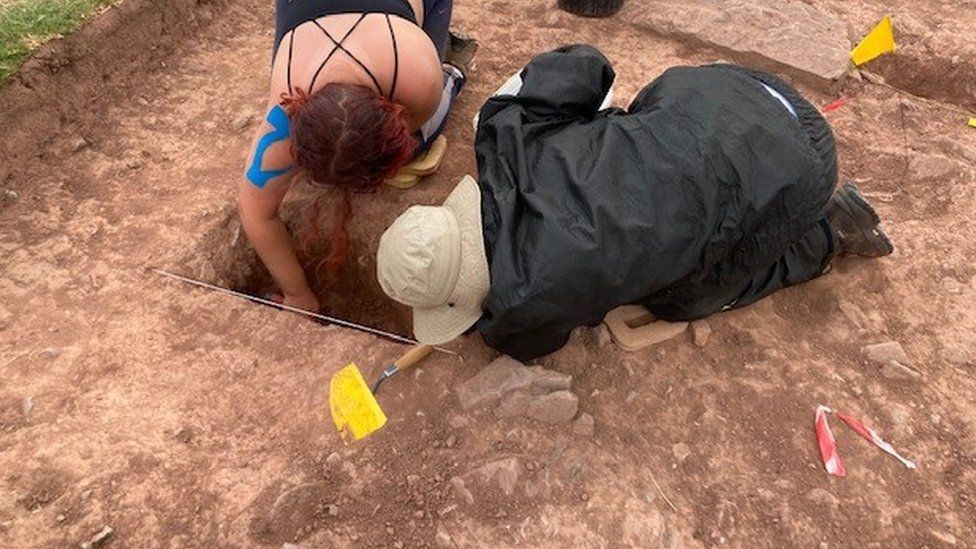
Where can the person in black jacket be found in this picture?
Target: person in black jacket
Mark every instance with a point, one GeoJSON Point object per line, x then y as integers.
{"type": "Point", "coordinates": [714, 189]}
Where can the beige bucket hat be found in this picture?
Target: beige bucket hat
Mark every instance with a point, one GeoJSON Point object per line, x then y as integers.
{"type": "Point", "coordinates": [433, 259]}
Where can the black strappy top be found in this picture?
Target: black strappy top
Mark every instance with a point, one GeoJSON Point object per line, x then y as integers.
{"type": "Point", "coordinates": [298, 12]}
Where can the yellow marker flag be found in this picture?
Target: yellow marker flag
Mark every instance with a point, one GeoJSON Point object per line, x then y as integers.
{"type": "Point", "coordinates": [879, 41]}
{"type": "Point", "coordinates": [972, 122]}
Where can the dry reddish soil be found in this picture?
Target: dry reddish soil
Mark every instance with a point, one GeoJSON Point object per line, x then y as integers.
{"type": "Point", "coordinates": [185, 419]}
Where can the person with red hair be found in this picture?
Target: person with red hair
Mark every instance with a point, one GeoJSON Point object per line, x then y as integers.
{"type": "Point", "coordinates": [359, 88]}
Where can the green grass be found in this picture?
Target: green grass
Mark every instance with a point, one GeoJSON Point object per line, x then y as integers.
{"type": "Point", "coordinates": [26, 24]}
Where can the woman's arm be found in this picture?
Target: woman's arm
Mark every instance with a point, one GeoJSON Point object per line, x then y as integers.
{"type": "Point", "coordinates": [266, 180]}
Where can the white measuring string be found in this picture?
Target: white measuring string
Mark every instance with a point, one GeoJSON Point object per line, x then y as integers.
{"type": "Point", "coordinates": [282, 306]}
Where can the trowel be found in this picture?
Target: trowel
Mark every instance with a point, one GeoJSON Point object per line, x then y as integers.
{"type": "Point", "coordinates": [355, 410]}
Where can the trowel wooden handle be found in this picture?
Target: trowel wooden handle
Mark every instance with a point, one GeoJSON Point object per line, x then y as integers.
{"type": "Point", "coordinates": [413, 357]}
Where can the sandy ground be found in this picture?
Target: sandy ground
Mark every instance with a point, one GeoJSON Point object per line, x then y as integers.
{"type": "Point", "coordinates": [181, 418]}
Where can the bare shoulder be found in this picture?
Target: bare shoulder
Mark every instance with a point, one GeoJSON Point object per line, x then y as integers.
{"type": "Point", "coordinates": [420, 75]}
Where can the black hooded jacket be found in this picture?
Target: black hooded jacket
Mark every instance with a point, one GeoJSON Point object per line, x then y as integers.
{"type": "Point", "coordinates": [676, 203]}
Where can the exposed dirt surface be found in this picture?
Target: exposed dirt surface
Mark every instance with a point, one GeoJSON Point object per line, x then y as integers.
{"type": "Point", "coordinates": [186, 419]}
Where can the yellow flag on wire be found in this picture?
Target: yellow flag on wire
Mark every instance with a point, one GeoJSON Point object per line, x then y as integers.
{"type": "Point", "coordinates": [879, 41]}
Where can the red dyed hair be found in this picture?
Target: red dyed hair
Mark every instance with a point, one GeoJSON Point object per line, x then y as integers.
{"type": "Point", "coordinates": [350, 138]}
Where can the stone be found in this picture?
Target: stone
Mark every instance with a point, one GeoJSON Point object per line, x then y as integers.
{"type": "Point", "coordinates": [99, 538]}
{"type": "Point", "coordinates": [506, 375]}
{"type": "Point", "coordinates": [333, 461]}
{"type": "Point", "coordinates": [931, 166]}
{"type": "Point", "coordinates": [333, 510]}
{"type": "Point", "coordinates": [557, 407]}
{"type": "Point", "coordinates": [514, 404]}
{"type": "Point", "coordinates": [450, 441]}
{"type": "Point", "coordinates": [488, 385]}
{"type": "Point", "coordinates": [700, 332]}
{"type": "Point", "coordinates": [899, 372]}
{"type": "Point", "coordinates": [583, 426]}
{"type": "Point", "coordinates": [681, 452]}
{"type": "Point", "coordinates": [290, 546]}
{"type": "Point", "coordinates": [602, 335]}
{"type": "Point", "coordinates": [944, 537]}
{"type": "Point", "coordinates": [505, 473]}
{"type": "Point", "coordinates": [27, 405]}
{"type": "Point", "coordinates": [883, 353]}
{"type": "Point", "coordinates": [443, 539]}
{"type": "Point", "coordinates": [50, 353]}
{"type": "Point", "coordinates": [461, 491]}
{"type": "Point", "coordinates": [789, 36]}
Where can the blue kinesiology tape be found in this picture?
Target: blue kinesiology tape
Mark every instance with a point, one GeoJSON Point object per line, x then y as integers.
{"type": "Point", "coordinates": [282, 130]}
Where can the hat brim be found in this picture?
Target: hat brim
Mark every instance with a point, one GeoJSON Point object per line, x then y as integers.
{"type": "Point", "coordinates": [437, 325]}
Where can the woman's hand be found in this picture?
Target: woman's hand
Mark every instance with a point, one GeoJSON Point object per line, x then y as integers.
{"type": "Point", "coordinates": [306, 300]}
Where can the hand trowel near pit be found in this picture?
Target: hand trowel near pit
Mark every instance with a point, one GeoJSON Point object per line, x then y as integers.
{"type": "Point", "coordinates": [355, 410]}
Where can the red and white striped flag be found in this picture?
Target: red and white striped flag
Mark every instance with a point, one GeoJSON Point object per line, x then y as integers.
{"type": "Point", "coordinates": [873, 437]}
{"type": "Point", "coordinates": [828, 446]}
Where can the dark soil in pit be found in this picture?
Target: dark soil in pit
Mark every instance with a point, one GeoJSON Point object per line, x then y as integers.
{"type": "Point", "coordinates": [188, 419]}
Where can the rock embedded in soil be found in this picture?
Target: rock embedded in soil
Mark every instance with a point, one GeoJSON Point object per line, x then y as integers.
{"type": "Point", "coordinates": [884, 353]}
{"type": "Point", "coordinates": [515, 390]}
{"type": "Point", "coordinates": [461, 491]}
{"type": "Point", "coordinates": [443, 539]}
{"type": "Point", "coordinates": [681, 451]}
{"type": "Point", "coordinates": [790, 36]}
{"type": "Point", "coordinates": [700, 332]}
{"type": "Point", "coordinates": [99, 538]}
{"type": "Point", "coordinates": [557, 407]}
{"type": "Point", "coordinates": [505, 473]}
{"type": "Point", "coordinates": [899, 372]}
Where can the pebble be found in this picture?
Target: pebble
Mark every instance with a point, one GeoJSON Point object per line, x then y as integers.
{"type": "Point", "coordinates": [457, 422]}
{"type": "Point", "coordinates": [77, 144]}
{"type": "Point", "coordinates": [700, 332]}
{"type": "Point", "coordinates": [290, 546]}
{"type": "Point", "coordinates": [630, 397]}
{"type": "Point", "coordinates": [884, 353]}
{"type": "Point", "coordinates": [443, 539]}
{"type": "Point", "coordinates": [451, 441]}
{"type": "Point", "coordinates": [27, 405]}
{"type": "Point", "coordinates": [602, 335]}
{"type": "Point", "coordinates": [389, 530]}
{"type": "Point", "coordinates": [461, 491]}
{"type": "Point", "coordinates": [412, 479]}
{"type": "Point", "coordinates": [61, 518]}
{"type": "Point", "coordinates": [99, 538]}
{"type": "Point", "coordinates": [418, 514]}
{"type": "Point", "coordinates": [681, 451]}
{"type": "Point", "coordinates": [50, 353]}
{"type": "Point", "coordinates": [333, 510]}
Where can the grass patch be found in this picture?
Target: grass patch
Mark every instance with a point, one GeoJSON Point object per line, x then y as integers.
{"type": "Point", "coordinates": [26, 24]}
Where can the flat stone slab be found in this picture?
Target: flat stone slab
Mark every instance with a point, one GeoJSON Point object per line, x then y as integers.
{"type": "Point", "coordinates": [786, 36]}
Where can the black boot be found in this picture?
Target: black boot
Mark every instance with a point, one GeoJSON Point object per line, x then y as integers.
{"type": "Point", "coordinates": [856, 224]}
{"type": "Point", "coordinates": [460, 51]}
